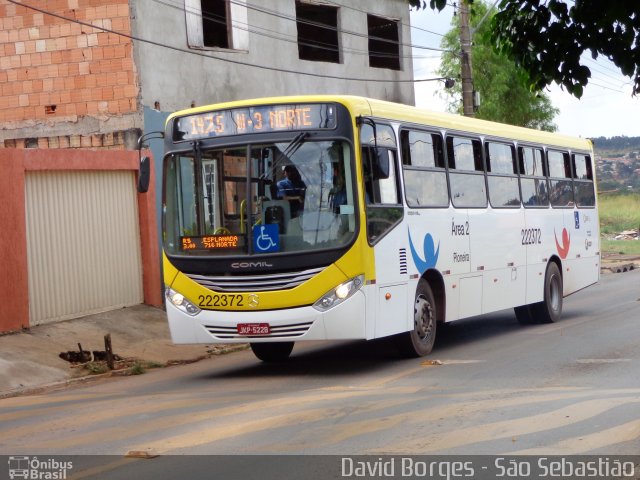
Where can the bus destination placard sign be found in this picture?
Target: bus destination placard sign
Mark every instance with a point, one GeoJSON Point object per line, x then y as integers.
{"type": "Point", "coordinates": [211, 242]}
{"type": "Point", "coordinates": [255, 119]}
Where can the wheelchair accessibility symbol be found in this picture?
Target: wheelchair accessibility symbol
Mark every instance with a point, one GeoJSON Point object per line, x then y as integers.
{"type": "Point", "coordinates": [266, 238]}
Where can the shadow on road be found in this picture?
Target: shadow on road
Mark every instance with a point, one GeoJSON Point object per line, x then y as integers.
{"type": "Point", "coordinates": [359, 357]}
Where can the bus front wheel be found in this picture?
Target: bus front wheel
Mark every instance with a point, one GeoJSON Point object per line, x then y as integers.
{"type": "Point", "coordinates": [419, 341]}
{"type": "Point", "coordinates": [272, 352]}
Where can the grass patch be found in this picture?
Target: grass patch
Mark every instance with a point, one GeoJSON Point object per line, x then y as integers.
{"type": "Point", "coordinates": [141, 366]}
{"type": "Point", "coordinates": [625, 247]}
{"type": "Point", "coordinates": [137, 368]}
{"type": "Point", "coordinates": [96, 368]}
{"type": "Point", "coordinates": [127, 366]}
{"type": "Point", "coordinates": [619, 213]}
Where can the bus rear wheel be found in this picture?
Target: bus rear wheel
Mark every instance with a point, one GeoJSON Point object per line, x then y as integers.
{"type": "Point", "coordinates": [272, 352]}
{"type": "Point", "coordinates": [550, 309]}
{"type": "Point", "coordinates": [419, 341]}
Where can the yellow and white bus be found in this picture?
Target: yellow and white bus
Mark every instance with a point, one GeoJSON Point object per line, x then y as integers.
{"type": "Point", "coordinates": [337, 217]}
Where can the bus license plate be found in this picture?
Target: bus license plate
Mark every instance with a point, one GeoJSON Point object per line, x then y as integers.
{"type": "Point", "coordinates": [254, 329]}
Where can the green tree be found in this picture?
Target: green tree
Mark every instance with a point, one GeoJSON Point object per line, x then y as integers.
{"type": "Point", "coordinates": [548, 37]}
{"type": "Point", "coordinates": [503, 87]}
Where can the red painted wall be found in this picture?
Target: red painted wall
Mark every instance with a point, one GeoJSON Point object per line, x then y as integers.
{"type": "Point", "coordinates": [14, 309]}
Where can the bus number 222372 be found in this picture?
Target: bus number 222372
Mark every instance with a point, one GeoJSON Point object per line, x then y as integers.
{"type": "Point", "coordinates": [221, 300]}
{"type": "Point", "coordinates": [531, 236]}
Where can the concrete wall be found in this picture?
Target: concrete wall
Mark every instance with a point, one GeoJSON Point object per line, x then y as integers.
{"type": "Point", "coordinates": [176, 79]}
{"type": "Point", "coordinates": [14, 163]}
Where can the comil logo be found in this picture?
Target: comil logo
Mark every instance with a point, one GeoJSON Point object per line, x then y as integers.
{"type": "Point", "coordinates": [37, 469]}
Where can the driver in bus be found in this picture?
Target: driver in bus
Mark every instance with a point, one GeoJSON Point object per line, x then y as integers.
{"type": "Point", "coordinates": [292, 188]}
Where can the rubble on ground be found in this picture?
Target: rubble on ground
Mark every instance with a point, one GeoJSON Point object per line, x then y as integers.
{"type": "Point", "coordinates": [628, 235]}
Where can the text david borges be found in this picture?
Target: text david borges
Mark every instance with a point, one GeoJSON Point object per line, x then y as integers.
{"type": "Point", "coordinates": [405, 467]}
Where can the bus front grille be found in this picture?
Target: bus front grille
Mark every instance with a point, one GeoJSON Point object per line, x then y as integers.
{"type": "Point", "coordinates": [277, 331]}
{"type": "Point", "coordinates": [255, 283]}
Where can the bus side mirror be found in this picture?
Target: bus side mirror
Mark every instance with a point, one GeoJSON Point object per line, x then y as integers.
{"type": "Point", "coordinates": [144, 174]}
{"type": "Point", "coordinates": [381, 164]}
{"type": "Point", "coordinates": [376, 162]}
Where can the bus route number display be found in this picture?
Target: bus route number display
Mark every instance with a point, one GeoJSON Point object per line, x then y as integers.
{"type": "Point", "coordinates": [271, 118]}
{"type": "Point", "coordinates": [210, 242]}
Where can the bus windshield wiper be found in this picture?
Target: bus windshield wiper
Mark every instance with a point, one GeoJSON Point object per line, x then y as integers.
{"type": "Point", "coordinates": [295, 144]}
{"type": "Point", "coordinates": [288, 152]}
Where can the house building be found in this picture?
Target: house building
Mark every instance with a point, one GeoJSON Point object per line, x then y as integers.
{"type": "Point", "coordinates": [93, 75]}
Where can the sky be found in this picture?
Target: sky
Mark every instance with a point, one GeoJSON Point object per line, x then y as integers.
{"type": "Point", "coordinates": [606, 108]}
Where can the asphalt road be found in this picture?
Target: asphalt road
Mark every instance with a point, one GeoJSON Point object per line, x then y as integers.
{"type": "Point", "coordinates": [491, 386]}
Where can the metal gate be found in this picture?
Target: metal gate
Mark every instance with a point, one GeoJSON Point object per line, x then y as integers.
{"type": "Point", "coordinates": [83, 243]}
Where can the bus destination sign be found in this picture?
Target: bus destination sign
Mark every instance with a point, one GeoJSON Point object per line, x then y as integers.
{"type": "Point", "coordinates": [211, 242]}
{"type": "Point", "coordinates": [257, 119]}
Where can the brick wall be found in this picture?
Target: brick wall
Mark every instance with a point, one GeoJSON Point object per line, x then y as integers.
{"type": "Point", "coordinates": [57, 72]}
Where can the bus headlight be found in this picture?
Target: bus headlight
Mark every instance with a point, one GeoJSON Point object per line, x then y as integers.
{"type": "Point", "coordinates": [181, 303]}
{"type": "Point", "coordinates": [339, 294]}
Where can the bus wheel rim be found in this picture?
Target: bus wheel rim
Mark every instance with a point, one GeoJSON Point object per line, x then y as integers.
{"type": "Point", "coordinates": [554, 293]}
{"type": "Point", "coordinates": [423, 318]}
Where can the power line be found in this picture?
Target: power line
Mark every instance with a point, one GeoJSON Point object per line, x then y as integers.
{"type": "Point", "coordinates": [367, 12]}
{"type": "Point", "coordinates": [619, 78]}
{"type": "Point", "coordinates": [607, 88]}
{"type": "Point", "coordinates": [227, 60]}
{"type": "Point", "coordinates": [348, 32]}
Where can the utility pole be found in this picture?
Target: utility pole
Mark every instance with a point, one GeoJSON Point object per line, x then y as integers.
{"type": "Point", "coordinates": [465, 61]}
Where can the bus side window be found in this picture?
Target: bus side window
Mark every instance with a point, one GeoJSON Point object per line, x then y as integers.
{"type": "Point", "coordinates": [381, 188]}
{"type": "Point", "coordinates": [466, 172]}
{"type": "Point", "coordinates": [425, 178]}
{"type": "Point", "coordinates": [583, 181]}
{"type": "Point", "coordinates": [381, 184]}
{"type": "Point", "coordinates": [502, 175]}
{"type": "Point", "coordinates": [560, 179]}
{"type": "Point", "coordinates": [533, 181]}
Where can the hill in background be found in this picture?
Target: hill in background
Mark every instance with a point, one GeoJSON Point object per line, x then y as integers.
{"type": "Point", "coordinates": [618, 164]}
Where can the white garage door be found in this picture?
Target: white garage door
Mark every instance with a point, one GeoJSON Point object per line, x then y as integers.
{"type": "Point", "coordinates": [83, 243]}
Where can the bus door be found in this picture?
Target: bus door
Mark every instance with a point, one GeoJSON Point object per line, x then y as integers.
{"type": "Point", "coordinates": [384, 215]}
{"type": "Point", "coordinates": [210, 179]}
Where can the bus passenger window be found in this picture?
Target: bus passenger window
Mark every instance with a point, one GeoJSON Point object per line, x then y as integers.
{"type": "Point", "coordinates": [500, 158]}
{"type": "Point", "coordinates": [583, 181]}
{"type": "Point", "coordinates": [421, 149]}
{"type": "Point", "coordinates": [466, 172]}
{"type": "Point", "coordinates": [560, 182]}
{"type": "Point", "coordinates": [501, 170]}
{"type": "Point", "coordinates": [533, 181]}
{"type": "Point", "coordinates": [464, 154]}
{"type": "Point", "coordinates": [425, 178]}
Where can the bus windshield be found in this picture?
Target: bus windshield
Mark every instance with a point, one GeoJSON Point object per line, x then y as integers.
{"type": "Point", "coordinates": [264, 198]}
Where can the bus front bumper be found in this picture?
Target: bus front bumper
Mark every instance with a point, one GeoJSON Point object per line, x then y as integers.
{"type": "Point", "coordinates": [345, 321]}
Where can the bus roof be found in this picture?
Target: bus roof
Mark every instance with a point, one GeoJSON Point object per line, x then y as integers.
{"type": "Point", "coordinates": [412, 115]}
